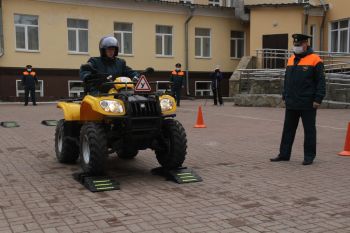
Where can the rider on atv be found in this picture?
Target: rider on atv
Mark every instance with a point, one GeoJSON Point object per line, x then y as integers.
{"type": "Point", "coordinates": [107, 63]}
{"type": "Point", "coordinates": [112, 118]}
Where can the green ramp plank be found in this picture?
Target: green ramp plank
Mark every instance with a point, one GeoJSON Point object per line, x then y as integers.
{"type": "Point", "coordinates": [97, 183]}
{"type": "Point", "coordinates": [9, 124]}
{"type": "Point", "coordinates": [49, 122]}
{"type": "Point", "coordinates": [185, 175]}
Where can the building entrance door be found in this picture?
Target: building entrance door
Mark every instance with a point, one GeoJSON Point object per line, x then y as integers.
{"type": "Point", "coordinates": [275, 51]}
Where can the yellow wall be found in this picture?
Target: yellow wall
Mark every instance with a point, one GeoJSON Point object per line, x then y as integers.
{"type": "Point", "coordinates": [201, 2]}
{"type": "Point", "coordinates": [339, 9]}
{"type": "Point", "coordinates": [269, 20]}
{"type": "Point", "coordinates": [257, 2]}
{"type": "Point", "coordinates": [53, 36]}
{"type": "Point", "coordinates": [291, 20]}
{"type": "Point", "coordinates": [317, 21]}
{"type": "Point", "coordinates": [204, 2]}
{"type": "Point", "coordinates": [220, 43]}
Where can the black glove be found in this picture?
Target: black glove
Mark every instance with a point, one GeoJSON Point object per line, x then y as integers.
{"type": "Point", "coordinates": [135, 79]}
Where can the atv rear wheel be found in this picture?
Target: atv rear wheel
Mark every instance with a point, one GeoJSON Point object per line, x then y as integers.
{"type": "Point", "coordinates": [126, 153]}
{"type": "Point", "coordinates": [66, 146]}
{"type": "Point", "coordinates": [174, 146]}
{"type": "Point", "coordinates": [93, 148]}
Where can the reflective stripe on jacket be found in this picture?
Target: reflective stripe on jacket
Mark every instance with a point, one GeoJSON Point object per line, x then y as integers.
{"type": "Point", "coordinates": [29, 79]}
{"type": "Point", "coordinates": [177, 78]}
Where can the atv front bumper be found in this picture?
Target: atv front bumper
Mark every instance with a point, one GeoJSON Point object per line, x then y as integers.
{"type": "Point", "coordinates": [138, 132]}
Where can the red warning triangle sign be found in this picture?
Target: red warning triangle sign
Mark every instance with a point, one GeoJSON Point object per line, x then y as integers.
{"type": "Point", "coordinates": [142, 85]}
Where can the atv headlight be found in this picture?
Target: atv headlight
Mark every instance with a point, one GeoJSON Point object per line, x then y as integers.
{"type": "Point", "coordinates": [166, 104]}
{"type": "Point", "coordinates": [112, 106]}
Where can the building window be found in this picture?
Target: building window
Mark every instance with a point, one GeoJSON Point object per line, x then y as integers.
{"type": "Point", "coordinates": [230, 3]}
{"type": "Point", "coordinates": [340, 33]}
{"type": "Point", "coordinates": [202, 42]}
{"type": "Point", "coordinates": [27, 32]}
{"type": "Point", "coordinates": [39, 89]}
{"type": "Point", "coordinates": [215, 2]}
{"type": "Point", "coordinates": [186, 1]}
{"type": "Point", "coordinates": [123, 33]}
{"type": "Point", "coordinates": [203, 88]}
{"type": "Point", "coordinates": [313, 36]}
{"type": "Point", "coordinates": [75, 88]}
{"type": "Point", "coordinates": [237, 44]}
{"type": "Point", "coordinates": [163, 86]}
{"type": "Point", "coordinates": [77, 35]}
{"type": "Point", "coordinates": [164, 40]}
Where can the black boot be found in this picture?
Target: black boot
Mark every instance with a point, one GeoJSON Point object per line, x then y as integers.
{"type": "Point", "coordinates": [279, 159]}
{"type": "Point", "coordinates": [307, 162]}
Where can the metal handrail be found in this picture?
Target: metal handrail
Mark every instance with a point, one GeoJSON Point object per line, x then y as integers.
{"type": "Point", "coordinates": [316, 51]}
{"type": "Point", "coordinates": [274, 61]}
{"type": "Point", "coordinates": [272, 58]}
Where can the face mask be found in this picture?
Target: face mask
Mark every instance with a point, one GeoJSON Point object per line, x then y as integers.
{"type": "Point", "coordinates": [177, 69]}
{"type": "Point", "coordinates": [298, 49]}
{"type": "Point", "coordinates": [29, 70]}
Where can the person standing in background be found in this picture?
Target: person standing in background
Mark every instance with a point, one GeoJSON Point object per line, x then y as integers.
{"type": "Point", "coordinates": [177, 83]}
{"type": "Point", "coordinates": [216, 78]}
{"type": "Point", "coordinates": [29, 80]}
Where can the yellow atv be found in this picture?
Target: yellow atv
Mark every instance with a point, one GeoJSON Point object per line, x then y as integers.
{"type": "Point", "coordinates": [113, 118]}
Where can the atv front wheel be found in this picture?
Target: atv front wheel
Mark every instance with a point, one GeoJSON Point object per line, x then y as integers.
{"type": "Point", "coordinates": [66, 146]}
{"type": "Point", "coordinates": [173, 147]}
{"type": "Point", "coordinates": [125, 153]}
{"type": "Point", "coordinates": [93, 148]}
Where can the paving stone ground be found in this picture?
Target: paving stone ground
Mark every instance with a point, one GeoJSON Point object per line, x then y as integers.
{"type": "Point", "coordinates": [242, 191]}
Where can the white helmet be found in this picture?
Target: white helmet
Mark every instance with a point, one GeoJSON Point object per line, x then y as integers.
{"type": "Point", "coordinates": [108, 42]}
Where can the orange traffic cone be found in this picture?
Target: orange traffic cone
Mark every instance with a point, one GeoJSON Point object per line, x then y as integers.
{"type": "Point", "coordinates": [346, 151]}
{"type": "Point", "coordinates": [200, 121]}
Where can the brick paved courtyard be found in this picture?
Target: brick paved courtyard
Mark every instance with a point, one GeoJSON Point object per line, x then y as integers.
{"type": "Point", "coordinates": [241, 192]}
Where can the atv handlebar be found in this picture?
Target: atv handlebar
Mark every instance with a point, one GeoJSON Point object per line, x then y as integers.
{"type": "Point", "coordinates": [125, 83]}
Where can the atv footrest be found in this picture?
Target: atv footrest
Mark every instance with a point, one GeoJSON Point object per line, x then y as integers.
{"type": "Point", "coordinates": [96, 183]}
{"type": "Point", "coordinates": [180, 175]}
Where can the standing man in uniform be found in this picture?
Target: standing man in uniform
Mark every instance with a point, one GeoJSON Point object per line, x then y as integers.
{"type": "Point", "coordinates": [177, 83]}
{"type": "Point", "coordinates": [304, 90]}
{"type": "Point", "coordinates": [216, 78]}
{"type": "Point", "coordinates": [29, 80]}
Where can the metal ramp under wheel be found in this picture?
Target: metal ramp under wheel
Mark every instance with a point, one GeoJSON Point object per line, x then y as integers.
{"type": "Point", "coordinates": [49, 122]}
{"type": "Point", "coordinates": [9, 124]}
{"type": "Point", "coordinates": [180, 175]}
{"type": "Point", "coordinates": [96, 183]}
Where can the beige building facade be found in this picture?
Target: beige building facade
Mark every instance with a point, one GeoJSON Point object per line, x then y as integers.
{"type": "Point", "coordinates": [57, 36]}
{"type": "Point", "coordinates": [327, 21]}
{"type": "Point", "coordinates": [100, 16]}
